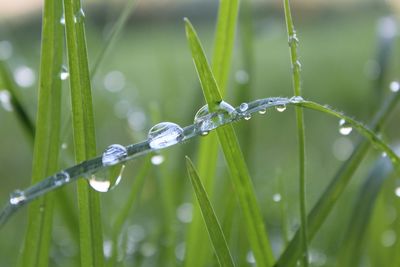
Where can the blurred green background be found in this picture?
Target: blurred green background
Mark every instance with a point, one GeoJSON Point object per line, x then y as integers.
{"type": "Point", "coordinates": [148, 76]}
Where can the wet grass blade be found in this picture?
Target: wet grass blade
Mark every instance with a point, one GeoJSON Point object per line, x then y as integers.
{"type": "Point", "coordinates": [210, 219]}
{"type": "Point", "coordinates": [91, 240]}
{"type": "Point", "coordinates": [36, 247]}
{"type": "Point", "coordinates": [239, 173]}
{"type": "Point", "coordinates": [197, 245]}
{"type": "Point", "coordinates": [332, 193]}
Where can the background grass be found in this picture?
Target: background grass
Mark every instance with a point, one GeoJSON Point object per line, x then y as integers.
{"type": "Point", "coordinates": [153, 56]}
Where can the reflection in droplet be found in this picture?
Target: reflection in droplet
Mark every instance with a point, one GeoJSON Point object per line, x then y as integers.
{"type": "Point", "coordinates": [24, 76]}
{"type": "Point", "coordinates": [108, 179]}
{"type": "Point", "coordinates": [5, 100]}
{"type": "Point", "coordinates": [243, 107]}
{"type": "Point", "coordinates": [296, 99]}
{"type": "Point", "coordinates": [185, 212]}
{"type": "Point", "coordinates": [394, 86]}
{"type": "Point", "coordinates": [164, 134]}
{"type": "Point", "coordinates": [157, 159]}
{"type": "Point", "coordinates": [114, 81]}
{"type": "Point", "coordinates": [17, 197]}
{"type": "Point", "coordinates": [79, 17]}
{"type": "Point", "coordinates": [208, 122]}
{"type": "Point", "coordinates": [113, 155]}
{"type": "Point", "coordinates": [345, 128]}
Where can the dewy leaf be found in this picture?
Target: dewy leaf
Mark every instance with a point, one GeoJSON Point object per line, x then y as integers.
{"type": "Point", "coordinates": [91, 240]}
{"type": "Point", "coordinates": [47, 137]}
{"type": "Point", "coordinates": [213, 227]}
{"type": "Point", "coordinates": [240, 177]}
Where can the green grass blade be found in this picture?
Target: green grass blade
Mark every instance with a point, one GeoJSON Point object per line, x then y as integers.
{"type": "Point", "coordinates": [233, 155]}
{"type": "Point", "coordinates": [91, 240]}
{"type": "Point", "coordinates": [293, 43]}
{"type": "Point", "coordinates": [115, 31]}
{"type": "Point", "coordinates": [197, 245]}
{"type": "Point", "coordinates": [36, 247]}
{"type": "Point", "coordinates": [332, 193]}
{"type": "Point", "coordinates": [214, 229]}
{"type": "Point", "coordinates": [22, 115]}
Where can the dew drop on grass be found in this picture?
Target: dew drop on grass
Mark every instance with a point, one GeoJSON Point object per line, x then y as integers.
{"type": "Point", "coordinates": [113, 155]}
{"type": "Point", "coordinates": [250, 257]}
{"type": "Point", "coordinates": [107, 179]}
{"type": "Point", "coordinates": [208, 122]}
{"type": "Point", "coordinates": [164, 134]}
{"type": "Point", "coordinates": [157, 159]}
{"type": "Point", "coordinates": [394, 86]}
{"type": "Point", "coordinates": [61, 178]}
{"type": "Point", "coordinates": [293, 39]}
{"type": "Point", "coordinates": [344, 127]}
{"type": "Point", "coordinates": [64, 74]}
{"type": "Point", "coordinates": [5, 100]}
{"type": "Point", "coordinates": [62, 19]}
{"type": "Point", "coordinates": [79, 17]}
{"type": "Point", "coordinates": [17, 197]}
{"type": "Point", "coordinates": [247, 117]}
{"type": "Point", "coordinates": [243, 107]}
{"type": "Point", "coordinates": [296, 99]}
{"type": "Point", "coordinates": [262, 111]}
{"type": "Point", "coordinates": [280, 108]}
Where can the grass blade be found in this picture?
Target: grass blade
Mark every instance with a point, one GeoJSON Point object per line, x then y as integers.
{"type": "Point", "coordinates": [214, 229]}
{"type": "Point", "coordinates": [197, 245]}
{"type": "Point", "coordinates": [36, 247]}
{"type": "Point", "coordinates": [91, 240]}
{"type": "Point", "coordinates": [295, 63]}
{"type": "Point", "coordinates": [332, 193]}
{"type": "Point", "coordinates": [240, 177]}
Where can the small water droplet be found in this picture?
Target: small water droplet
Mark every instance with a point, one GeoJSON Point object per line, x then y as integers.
{"type": "Point", "coordinates": [344, 127]}
{"type": "Point", "coordinates": [5, 100]}
{"type": "Point", "coordinates": [296, 99]}
{"type": "Point", "coordinates": [113, 155]}
{"type": "Point", "coordinates": [243, 107]}
{"type": "Point", "coordinates": [79, 17]}
{"type": "Point", "coordinates": [208, 122]}
{"type": "Point", "coordinates": [157, 159]}
{"type": "Point", "coordinates": [262, 111]}
{"type": "Point", "coordinates": [277, 197]}
{"type": "Point", "coordinates": [247, 117]}
{"type": "Point", "coordinates": [108, 179]}
{"type": "Point", "coordinates": [64, 74]}
{"type": "Point", "coordinates": [293, 39]}
{"type": "Point", "coordinates": [297, 66]}
{"type": "Point", "coordinates": [280, 108]}
{"type": "Point", "coordinates": [164, 134]}
{"type": "Point", "coordinates": [394, 86]}
{"type": "Point", "coordinates": [17, 197]}
{"type": "Point", "coordinates": [62, 19]}
{"type": "Point", "coordinates": [61, 178]}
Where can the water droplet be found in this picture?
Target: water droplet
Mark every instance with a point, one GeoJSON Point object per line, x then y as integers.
{"type": "Point", "coordinates": [243, 107]}
{"type": "Point", "coordinates": [397, 191]}
{"type": "Point", "coordinates": [64, 74]}
{"type": "Point", "coordinates": [108, 179]}
{"type": "Point", "coordinates": [24, 76]}
{"type": "Point", "coordinates": [394, 86]}
{"type": "Point", "coordinates": [277, 197]}
{"type": "Point", "coordinates": [208, 122]}
{"type": "Point", "coordinates": [107, 248]}
{"type": "Point", "coordinates": [281, 108]}
{"type": "Point", "coordinates": [114, 81]}
{"type": "Point", "coordinates": [62, 19]}
{"type": "Point", "coordinates": [6, 50]}
{"type": "Point", "coordinates": [185, 212]}
{"type": "Point", "coordinates": [293, 39]}
{"type": "Point", "coordinates": [296, 99]}
{"type": "Point", "coordinates": [241, 77]}
{"type": "Point", "coordinates": [157, 159]}
{"type": "Point", "coordinates": [79, 17]}
{"type": "Point", "coordinates": [247, 117]}
{"type": "Point", "coordinates": [297, 66]}
{"type": "Point", "coordinates": [17, 197]}
{"type": "Point", "coordinates": [61, 178]}
{"type": "Point", "coordinates": [388, 238]}
{"type": "Point", "coordinates": [344, 127]}
{"type": "Point", "coordinates": [164, 134]}
{"type": "Point", "coordinates": [113, 155]}
{"type": "Point", "coordinates": [5, 100]}
{"type": "Point", "coordinates": [262, 111]}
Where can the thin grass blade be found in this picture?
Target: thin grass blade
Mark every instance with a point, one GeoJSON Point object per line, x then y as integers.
{"type": "Point", "coordinates": [36, 247]}
{"type": "Point", "coordinates": [214, 229]}
{"type": "Point", "coordinates": [240, 176]}
{"type": "Point", "coordinates": [91, 240]}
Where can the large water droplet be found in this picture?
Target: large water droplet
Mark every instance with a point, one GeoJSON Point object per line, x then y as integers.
{"type": "Point", "coordinates": [5, 100]}
{"type": "Point", "coordinates": [113, 155]}
{"type": "Point", "coordinates": [17, 197]}
{"type": "Point", "coordinates": [61, 178]}
{"type": "Point", "coordinates": [344, 127]}
{"type": "Point", "coordinates": [106, 180]}
{"type": "Point", "coordinates": [297, 65]}
{"type": "Point", "coordinates": [296, 99]}
{"type": "Point", "coordinates": [165, 134]}
{"type": "Point", "coordinates": [208, 122]}
{"type": "Point", "coordinates": [79, 17]}
{"type": "Point", "coordinates": [394, 86]}
{"type": "Point", "coordinates": [281, 108]}
{"type": "Point", "coordinates": [243, 107]}
{"type": "Point", "coordinates": [64, 74]}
